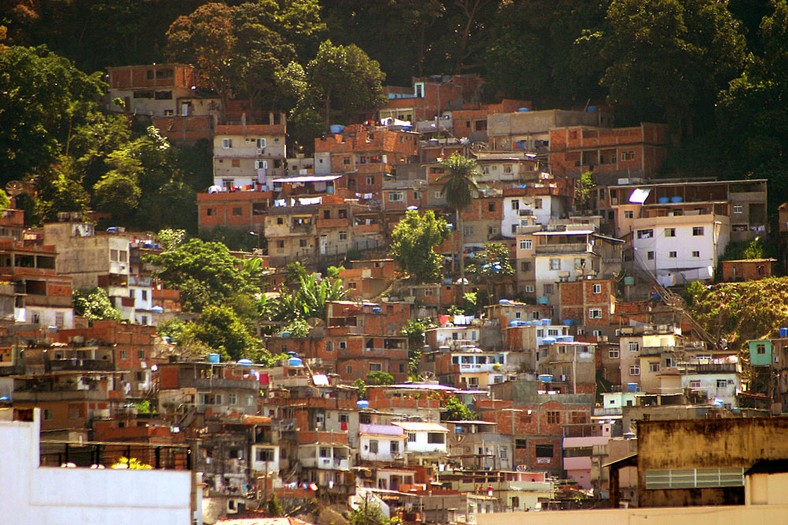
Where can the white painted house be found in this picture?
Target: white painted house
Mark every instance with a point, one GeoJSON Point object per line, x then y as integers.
{"type": "Point", "coordinates": [381, 443]}
{"type": "Point", "coordinates": [425, 438]}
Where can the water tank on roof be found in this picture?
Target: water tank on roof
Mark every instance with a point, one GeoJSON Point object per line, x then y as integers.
{"type": "Point", "coordinates": [546, 322]}
{"type": "Point", "coordinates": [362, 404]}
{"type": "Point", "coordinates": [376, 310]}
{"type": "Point", "coordinates": [568, 322]}
{"type": "Point", "coordinates": [677, 198]}
{"type": "Point", "coordinates": [294, 361]}
{"type": "Point", "coordinates": [214, 358]}
{"type": "Point", "coordinates": [523, 110]}
{"type": "Point", "coordinates": [245, 362]}
{"type": "Point", "coordinates": [784, 332]}
{"type": "Point", "coordinates": [336, 128]}
{"type": "Point", "coordinates": [663, 200]}
{"type": "Point", "coordinates": [504, 301]}
{"type": "Point", "coordinates": [546, 378]}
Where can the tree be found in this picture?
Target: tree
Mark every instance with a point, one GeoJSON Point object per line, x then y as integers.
{"type": "Point", "coordinates": [309, 299]}
{"type": "Point", "coordinates": [583, 187]}
{"type": "Point", "coordinates": [494, 266]}
{"type": "Point", "coordinates": [204, 272]}
{"type": "Point", "coordinates": [414, 330]}
{"type": "Point", "coordinates": [413, 243]}
{"type": "Point", "coordinates": [380, 378]}
{"type": "Point", "coordinates": [94, 305]}
{"type": "Point", "coordinates": [456, 410]}
{"type": "Point", "coordinates": [458, 183]}
{"type": "Point", "coordinates": [44, 98]}
{"type": "Point", "coordinates": [668, 58]}
{"type": "Point", "coordinates": [130, 464]}
{"type": "Point", "coordinates": [220, 329]}
{"type": "Point", "coordinates": [340, 80]}
{"type": "Point", "coordinates": [368, 514]}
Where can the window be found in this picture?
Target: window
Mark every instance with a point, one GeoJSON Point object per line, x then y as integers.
{"type": "Point", "coordinates": [491, 206]}
{"type": "Point", "coordinates": [261, 143]}
{"type": "Point", "coordinates": [264, 454]}
{"type": "Point", "coordinates": [613, 353]}
{"type": "Point", "coordinates": [760, 349]}
{"type": "Point", "coordinates": [396, 196]}
{"type": "Point", "coordinates": [467, 230]}
{"type": "Point", "coordinates": [370, 181]}
{"type": "Point", "coordinates": [653, 367]}
{"type": "Point", "coordinates": [302, 243]}
{"type": "Point", "coordinates": [346, 160]}
{"type": "Point", "coordinates": [436, 438]}
{"type": "Point", "coordinates": [596, 289]}
{"type": "Point", "coordinates": [529, 288]}
{"type": "Point", "coordinates": [521, 443]}
{"type": "Point", "coordinates": [438, 195]}
{"type": "Point", "coordinates": [342, 236]}
{"type": "Point", "coordinates": [595, 313]}
{"type": "Point", "coordinates": [526, 244]}
{"type": "Point", "coordinates": [694, 478]}
{"type": "Point", "coordinates": [696, 254]}
{"type": "Point", "coordinates": [553, 417]}
{"type": "Point", "coordinates": [236, 212]}
{"type": "Point", "coordinates": [411, 437]}
{"type": "Point", "coordinates": [548, 289]}
{"type": "Point", "coordinates": [672, 255]}
{"type": "Point", "coordinates": [394, 447]}
{"type": "Point", "coordinates": [227, 143]}
{"type": "Point", "coordinates": [373, 446]}
{"type": "Point", "coordinates": [697, 231]}
{"type": "Point", "coordinates": [538, 204]}
{"type": "Point", "coordinates": [375, 367]}
{"type": "Point", "coordinates": [670, 232]}
{"type": "Point", "coordinates": [738, 208]}
{"type": "Point", "coordinates": [232, 399]}
{"type": "Point", "coordinates": [140, 354]}
{"type": "Point", "coordinates": [634, 347]}
{"type": "Point", "coordinates": [645, 234]}
{"type": "Point", "coordinates": [236, 163]}
{"type": "Point", "coordinates": [580, 263]}
{"type": "Point", "coordinates": [525, 266]}
{"type": "Point", "coordinates": [695, 383]}
{"type": "Point", "coordinates": [629, 214]}
{"type": "Point", "coordinates": [722, 383]}
{"type": "Point", "coordinates": [544, 450]}
{"type": "Point", "coordinates": [634, 370]}
{"type": "Point", "coordinates": [280, 244]}
{"type": "Point", "coordinates": [650, 256]}
{"type": "Point", "coordinates": [555, 264]}
{"type": "Point", "coordinates": [515, 204]}
{"type": "Point", "coordinates": [144, 295]}
{"type": "Point", "coordinates": [507, 168]}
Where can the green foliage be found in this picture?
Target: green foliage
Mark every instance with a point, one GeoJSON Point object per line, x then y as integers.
{"type": "Point", "coordinates": [493, 263]}
{"type": "Point", "coordinates": [740, 311]}
{"type": "Point", "coordinates": [274, 508]}
{"type": "Point", "coordinates": [204, 272]}
{"type": "Point", "coordinates": [298, 328]}
{"type": "Point", "coordinates": [170, 239]}
{"type": "Point", "coordinates": [171, 329]}
{"type": "Point", "coordinates": [755, 249]}
{"type": "Point", "coordinates": [413, 243]}
{"type": "Point", "coordinates": [693, 292]}
{"type": "Point", "coordinates": [458, 182]}
{"type": "Point", "coordinates": [470, 301]}
{"type": "Point", "coordinates": [44, 98]}
{"type": "Point", "coordinates": [583, 188]}
{"type": "Point", "coordinates": [309, 299]}
{"type": "Point", "coordinates": [5, 202]}
{"type": "Point", "coordinates": [223, 331]}
{"type": "Point", "coordinates": [456, 410]}
{"type": "Point", "coordinates": [362, 388]}
{"type": "Point", "coordinates": [368, 514]}
{"type": "Point", "coordinates": [380, 378]}
{"type": "Point", "coordinates": [94, 305]}
{"type": "Point", "coordinates": [668, 58]}
{"type": "Point", "coordinates": [144, 408]}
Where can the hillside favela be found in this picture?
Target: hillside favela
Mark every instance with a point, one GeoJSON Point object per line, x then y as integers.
{"type": "Point", "coordinates": [366, 262]}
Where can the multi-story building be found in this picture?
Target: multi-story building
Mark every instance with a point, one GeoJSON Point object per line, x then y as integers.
{"type": "Point", "coordinates": [530, 130]}
{"type": "Point", "coordinates": [249, 156]}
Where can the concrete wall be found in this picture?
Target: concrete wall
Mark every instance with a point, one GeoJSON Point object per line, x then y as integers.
{"type": "Point", "coordinates": [664, 516]}
{"type": "Point", "coordinates": [41, 495]}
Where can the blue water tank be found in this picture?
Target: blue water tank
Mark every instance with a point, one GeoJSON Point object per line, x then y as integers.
{"type": "Point", "coordinates": [546, 322]}
{"type": "Point", "coordinates": [214, 358]}
{"type": "Point", "coordinates": [784, 332]}
{"type": "Point", "coordinates": [568, 322]}
{"type": "Point", "coordinates": [663, 200]}
{"type": "Point", "coordinates": [523, 110]}
{"type": "Point", "coordinates": [591, 109]}
{"type": "Point", "coordinates": [294, 361]}
{"type": "Point", "coordinates": [337, 128]}
{"type": "Point", "coordinates": [546, 378]}
{"type": "Point", "coordinates": [542, 300]}
{"type": "Point", "coordinates": [245, 362]}
{"type": "Point", "coordinates": [504, 301]}
{"type": "Point", "coordinates": [548, 340]}
{"type": "Point", "coordinates": [677, 198]}
{"type": "Point", "coordinates": [376, 309]}
{"type": "Point", "coordinates": [362, 404]}
{"type": "Point", "coordinates": [632, 387]}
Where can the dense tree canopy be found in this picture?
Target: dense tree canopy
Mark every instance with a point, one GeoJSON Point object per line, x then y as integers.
{"type": "Point", "coordinates": [413, 241]}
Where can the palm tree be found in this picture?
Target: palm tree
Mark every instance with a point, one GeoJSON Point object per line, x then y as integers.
{"type": "Point", "coordinates": [458, 186]}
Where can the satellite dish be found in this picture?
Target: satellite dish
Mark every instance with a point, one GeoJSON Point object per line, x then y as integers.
{"type": "Point", "coordinates": [14, 188]}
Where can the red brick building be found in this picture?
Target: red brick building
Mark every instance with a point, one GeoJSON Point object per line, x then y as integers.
{"type": "Point", "coordinates": [636, 151]}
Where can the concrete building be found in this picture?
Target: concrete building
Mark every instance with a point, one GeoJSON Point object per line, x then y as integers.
{"type": "Point", "coordinates": [530, 130]}
{"type": "Point", "coordinates": [53, 495]}
{"type": "Point", "coordinates": [249, 156]}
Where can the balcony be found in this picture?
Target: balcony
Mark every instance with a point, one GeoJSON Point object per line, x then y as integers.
{"type": "Point", "coordinates": [646, 351]}
{"type": "Point", "coordinates": [325, 463]}
{"type": "Point", "coordinates": [551, 249]}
